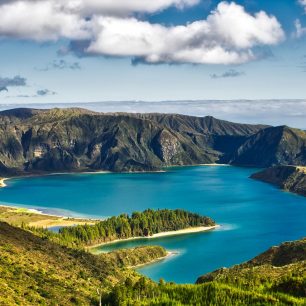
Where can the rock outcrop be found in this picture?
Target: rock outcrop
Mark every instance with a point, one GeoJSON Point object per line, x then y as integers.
{"type": "Point", "coordinates": [290, 178]}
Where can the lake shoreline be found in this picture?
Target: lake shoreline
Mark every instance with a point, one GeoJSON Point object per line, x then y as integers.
{"type": "Point", "coordinates": [190, 230]}
{"type": "Point", "coordinates": [156, 260]}
{"type": "Point", "coordinates": [42, 174]}
{"type": "Point", "coordinates": [2, 182]}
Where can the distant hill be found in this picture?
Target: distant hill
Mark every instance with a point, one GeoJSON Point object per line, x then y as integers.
{"type": "Point", "coordinates": [290, 178]}
{"type": "Point", "coordinates": [37, 141]}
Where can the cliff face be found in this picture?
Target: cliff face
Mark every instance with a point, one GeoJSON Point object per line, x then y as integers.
{"type": "Point", "coordinates": [75, 140]}
{"type": "Point", "coordinates": [290, 178]}
{"type": "Point", "coordinates": [35, 141]}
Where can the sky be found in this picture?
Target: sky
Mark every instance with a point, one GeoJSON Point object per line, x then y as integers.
{"type": "Point", "coordinates": [67, 51]}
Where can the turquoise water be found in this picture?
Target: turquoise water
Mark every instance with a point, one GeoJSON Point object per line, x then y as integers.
{"type": "Point", "coordinates": [253, 215]}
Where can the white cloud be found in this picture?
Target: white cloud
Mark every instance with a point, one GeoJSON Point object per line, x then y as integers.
{"type": "Point", "coordinates": [227, 36]}
{"type": "Point", "coordinates": [40, 20]}
{"type": "Point", "coordinates": [123, 7]}
{"type": "Point", "coordinates": [299, 29]}
{"type": "Point", "coordinates": [303, 3]}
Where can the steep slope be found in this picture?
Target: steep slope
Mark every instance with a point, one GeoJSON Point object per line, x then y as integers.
{"type": "Point", "coordinates": [272, 146]}
{"type": "Point", "coordinates": [290, 178]}
{"type": "Point", "coordinates": [76, 140]}
{"type": "Point", "coordinates": [208, 132]}
{"type": "Point", "coordinates": [35, 271]}
{"type": "Point", "coordinates": [35, 141]}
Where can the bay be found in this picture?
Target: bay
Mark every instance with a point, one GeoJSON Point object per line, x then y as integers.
{"type": "Point", "coordinates": [253, 215]}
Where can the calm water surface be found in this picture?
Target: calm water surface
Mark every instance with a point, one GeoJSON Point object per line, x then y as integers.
{"type": "Point", "coordinates": [253, 215]}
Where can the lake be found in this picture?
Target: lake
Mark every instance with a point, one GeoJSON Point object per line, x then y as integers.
{"type": "Point", "coordinates": [253, 215]}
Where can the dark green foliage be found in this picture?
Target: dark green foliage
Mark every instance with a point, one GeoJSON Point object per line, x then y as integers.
{"type": "Point", "coordinates": [139, 224]}
{"type": "Point", "coordinates": [272, 146]}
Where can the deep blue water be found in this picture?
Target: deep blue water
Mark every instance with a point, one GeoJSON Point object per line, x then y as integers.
{"type": "Point", "coordinates": [253, 215]}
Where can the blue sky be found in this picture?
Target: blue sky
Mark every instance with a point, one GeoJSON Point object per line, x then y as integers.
{"type": "Point", "coordinates": [268, 53]}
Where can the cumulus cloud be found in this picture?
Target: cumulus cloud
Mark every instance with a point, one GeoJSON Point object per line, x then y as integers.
{"type": "Point", "coordinates": [227, 36]}
{"type": "Point", "coordinates": [11, 82]}
{"type": "Point", "coordinates": [109, 28]}
{"type": "Point", "coordinates": [61, 65]}
{"type": "Point", "coordinates": [232, 73]}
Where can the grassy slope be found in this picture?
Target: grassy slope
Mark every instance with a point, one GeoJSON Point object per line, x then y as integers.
{"type": "Point", "coordinates": [36, 271]}
{"type": "Point", "coordinates": [24, 217]}
{"type": "Point", "coordinates": [276, 277]}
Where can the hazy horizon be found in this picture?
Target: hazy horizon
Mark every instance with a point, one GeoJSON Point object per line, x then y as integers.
{"type": "Point", "coordinates": [271, 112]}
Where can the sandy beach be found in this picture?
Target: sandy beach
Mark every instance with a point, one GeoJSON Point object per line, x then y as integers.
{"type": "Point", "coordinates": [169, 254]}
{"type": "Point", "coordinates": [185, 231]}
{"type": "Point", "coordinates": [2, 182]}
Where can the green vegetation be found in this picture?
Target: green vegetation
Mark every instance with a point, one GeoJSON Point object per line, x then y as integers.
{"type": "Point", "coordinates": [145, 292]}
{"type": "Point", "coordinates": [40, 141]}
{"type": "Point", "coordinates": [135, 257]}
{"type": "Point", "coordinates": [36, 271]}
{"type": "Point", "coordinates": [25, 217]}
{"type": "Point", "coordinates": [139, 224]}
{"type": "Point", "coordinates": [276, 277]}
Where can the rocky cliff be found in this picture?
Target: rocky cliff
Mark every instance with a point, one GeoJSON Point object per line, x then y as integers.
{"type": "Point", "coordinates": [34, 141]}
{"type": "Point", "coordinates": [290, 178]}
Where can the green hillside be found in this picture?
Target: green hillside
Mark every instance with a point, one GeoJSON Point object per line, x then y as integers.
{"type": "Point", "coordinates": [276, 277]}
{"type": "Point", "coordinates": [35, 271]}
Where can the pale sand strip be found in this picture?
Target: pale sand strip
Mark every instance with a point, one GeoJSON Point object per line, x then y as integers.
{"type": "Point", "coordinates": [169, 254]}
{"type": "Point", "coordinates": [162, 234]}
{"type": "Point", "coordinates": [2, 182]}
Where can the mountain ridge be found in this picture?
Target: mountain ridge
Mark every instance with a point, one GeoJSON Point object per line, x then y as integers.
{"type": "Point", "coordinates": [62, 140]}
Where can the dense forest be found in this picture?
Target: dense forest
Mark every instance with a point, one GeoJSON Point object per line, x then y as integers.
{"type": "Point", "coordinates": [146, 292]}
{"type": "Point", "coordinates": [139, 224]}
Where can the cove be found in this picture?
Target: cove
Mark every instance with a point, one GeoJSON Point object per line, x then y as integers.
{"type": "Point", "coordinates": [253, 215]}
